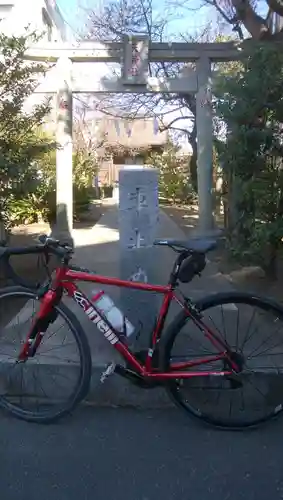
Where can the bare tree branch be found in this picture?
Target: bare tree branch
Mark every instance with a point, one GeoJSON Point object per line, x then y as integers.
{"type": "Point", "coordinates": [244, 13]}
{"type": "Point", "coordinates": [136, 16]}
{"type": "Point", "coordinates": [119, 17]}
{"type": "Point", "coordinates": [169, 125]}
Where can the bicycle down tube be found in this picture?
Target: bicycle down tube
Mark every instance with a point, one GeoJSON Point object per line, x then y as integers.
{"type": "Point", "coordinates": [65, 280]}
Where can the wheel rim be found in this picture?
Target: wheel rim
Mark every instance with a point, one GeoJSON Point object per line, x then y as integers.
{"type": "Point", "coordinates": [256, 393]}
{"type": "Point", "coordinates": [47, 383]}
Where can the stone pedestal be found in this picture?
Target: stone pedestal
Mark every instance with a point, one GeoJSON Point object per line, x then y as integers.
{"type": "Point", "coordinates": [138, 219]}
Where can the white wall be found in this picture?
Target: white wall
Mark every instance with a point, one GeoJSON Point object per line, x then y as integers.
{"type": "Point", "coordinates": [40, 15]}
{"type": "Point", "coordinates": [5, 8]}
{"type": "Point", "coordinates": [16, 15]}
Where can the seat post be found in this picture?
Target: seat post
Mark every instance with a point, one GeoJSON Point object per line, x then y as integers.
{"type": "Point", "coordinates": [173, 280]}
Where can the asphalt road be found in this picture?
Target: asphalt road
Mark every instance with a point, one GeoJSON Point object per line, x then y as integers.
{"type": "Point", "coordinates": [119, 454]}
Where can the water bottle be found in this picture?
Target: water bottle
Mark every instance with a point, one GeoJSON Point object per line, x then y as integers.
{"type": "Point", "coordinates": [105, 305]}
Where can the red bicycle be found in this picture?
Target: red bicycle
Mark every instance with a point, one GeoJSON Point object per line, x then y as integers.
{"type": "Point", "coordinates": [226, 385]}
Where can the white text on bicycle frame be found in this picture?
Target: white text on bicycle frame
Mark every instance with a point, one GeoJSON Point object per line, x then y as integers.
{"type": "Point", "coordinates": [95, 318]}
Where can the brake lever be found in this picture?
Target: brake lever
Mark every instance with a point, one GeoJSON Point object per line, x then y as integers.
{"type": "Point", "coordinates": [52, 241]}
{"type": "Point", "coordinates": [67, 247]}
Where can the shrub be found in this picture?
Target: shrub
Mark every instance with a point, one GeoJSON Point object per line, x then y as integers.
{"type": "Point", "coordinates": [20, 145]}
{"type": "Point", "coordinates": [250, 103]}
{"type": "Point", "coordinates": [174, 178]}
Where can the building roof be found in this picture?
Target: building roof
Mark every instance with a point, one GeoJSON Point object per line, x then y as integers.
{"type": "Point", "coordinates": [137, 133]}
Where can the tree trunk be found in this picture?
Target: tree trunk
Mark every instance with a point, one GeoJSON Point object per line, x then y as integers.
{"type": "Point", "coordinates": [275, 242]}
{"type": "Point", "coordinates": [231, 211]}
{"type": "Point", "coordinates": [276, 6]}
{"type": "Point", "coordinates": [3, 234]}
{"type": "Point", "coordinates": [257, 26]}
{"type": "Point", "coordinates": [254, 23]}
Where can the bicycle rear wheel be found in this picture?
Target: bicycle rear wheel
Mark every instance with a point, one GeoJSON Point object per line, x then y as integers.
{"type": "Point", "coordinates": [256, 336]}
{"type": "Point", "coordinates": [37, 390]}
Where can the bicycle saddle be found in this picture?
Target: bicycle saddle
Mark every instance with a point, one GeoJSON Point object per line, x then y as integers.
{"type": "Point", "coordinates": [201, 245]}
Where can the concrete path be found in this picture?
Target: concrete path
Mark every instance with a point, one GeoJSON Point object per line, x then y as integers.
{"type": "Point", "coordinates": [138, 455]}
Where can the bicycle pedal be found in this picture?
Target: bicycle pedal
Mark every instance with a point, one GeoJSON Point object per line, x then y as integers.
{"type": "Point", "coordinates": [109, 370]}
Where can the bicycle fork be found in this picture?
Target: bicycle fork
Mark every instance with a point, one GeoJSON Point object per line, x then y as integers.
{"type": "Point", "coordinates": [46, 315]}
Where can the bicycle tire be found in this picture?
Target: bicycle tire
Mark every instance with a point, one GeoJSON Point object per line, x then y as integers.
{"type": "Point", "coordinates": [83, 383]}
{"type": "Point", "coordinates": [174, 329]}
{"type": "Point", "coordinates": [15, 278]}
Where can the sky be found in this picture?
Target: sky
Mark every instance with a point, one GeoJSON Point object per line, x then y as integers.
{"type": "Point", "coordinates": [191, 22]}
{"type": "Point", "coordinates": [183, 22]}
{"type": "Point", "coordinates": [71, 12]}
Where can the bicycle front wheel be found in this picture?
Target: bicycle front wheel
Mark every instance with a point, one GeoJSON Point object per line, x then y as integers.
{"type": "Point", "coordinates": [50, 384]}
{"type": "Point", "coordinates": [253, 328]}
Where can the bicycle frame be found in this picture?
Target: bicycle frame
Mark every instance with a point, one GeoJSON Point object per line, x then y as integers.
{"type": "Point", "coordinates": [65, 281]}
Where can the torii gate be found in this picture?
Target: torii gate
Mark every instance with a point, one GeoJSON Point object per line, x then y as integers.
{"type": "Point", "coordinates": [134, 53]}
